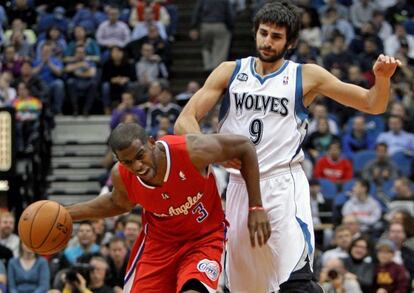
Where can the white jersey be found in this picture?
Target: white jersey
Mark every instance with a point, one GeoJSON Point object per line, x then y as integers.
{"type": "Point", "coordinates": [269, 110]}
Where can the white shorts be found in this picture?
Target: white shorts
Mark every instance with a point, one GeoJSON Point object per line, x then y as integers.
{"type": "Point", "coordinates": [285, 196]}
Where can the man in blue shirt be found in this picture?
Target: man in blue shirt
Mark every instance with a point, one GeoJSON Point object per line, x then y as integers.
{"type": "Point", "coordinates": [396, 138]}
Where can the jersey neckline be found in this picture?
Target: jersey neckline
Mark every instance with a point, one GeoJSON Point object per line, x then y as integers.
{"type": "Point", "coordinates": [262, 79]}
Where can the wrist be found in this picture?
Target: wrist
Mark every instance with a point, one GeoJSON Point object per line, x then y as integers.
{"type": "Point", "coordinates": [256, 208]}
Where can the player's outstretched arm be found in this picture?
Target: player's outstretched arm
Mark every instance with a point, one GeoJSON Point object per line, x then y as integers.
{"type": "Point", "coordinates": [318, 81]}
{"type": "Point", "coordinates": [106, 205]}
{"type": "Point", "coordinates": [216, 148]}
{"type": "Point", "coordinates": [204, 99]}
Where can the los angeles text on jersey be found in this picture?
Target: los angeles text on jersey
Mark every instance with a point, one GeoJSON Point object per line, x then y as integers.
{"type": "Point", "coordinates": [262, 103]}
{"type": "Point", "coordinates": [184, 208]}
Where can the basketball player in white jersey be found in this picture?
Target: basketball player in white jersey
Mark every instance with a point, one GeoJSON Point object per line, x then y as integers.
{"type": "Point", "coordinates": [266, 98]}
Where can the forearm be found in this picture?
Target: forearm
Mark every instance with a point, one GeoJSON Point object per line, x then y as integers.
{"type": "Point", "coordinates": [379, 95]}
{"type": "Point", "coordinates": [102, 206]}
{"type": "Point", "coordinates": [186, 124]}
{"type": "Point", "coordinates": [250, 172]}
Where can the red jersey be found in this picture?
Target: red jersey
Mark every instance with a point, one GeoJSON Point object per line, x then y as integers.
{"type": "Point", "coordinates": [187, 206]}
{"type": "Point", "coordinates": [334, 171]}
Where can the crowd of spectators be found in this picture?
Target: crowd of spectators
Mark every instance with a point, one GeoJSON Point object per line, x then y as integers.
{"type": "Point", "coordinates": [114, 58]}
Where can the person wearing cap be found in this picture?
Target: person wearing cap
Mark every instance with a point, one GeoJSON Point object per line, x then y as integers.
{"type": "Point", "coordinates": [388, 275]}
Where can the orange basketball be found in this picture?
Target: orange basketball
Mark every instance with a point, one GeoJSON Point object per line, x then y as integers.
{"type": "Point", "coordinates": [45, 227]}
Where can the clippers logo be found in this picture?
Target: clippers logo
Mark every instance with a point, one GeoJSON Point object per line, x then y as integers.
{"type": "Point", "coordinates": [182, 176]}
{"type": "Point", "coordinates": [210, 267]}
{"type": "Point", "coordinates": [242, 77]}
{"type": "Point", "coordinates": [285, 80]}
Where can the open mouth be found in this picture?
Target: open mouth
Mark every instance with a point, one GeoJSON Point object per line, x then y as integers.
{"type": "Point", "coordinates": [143, 172]}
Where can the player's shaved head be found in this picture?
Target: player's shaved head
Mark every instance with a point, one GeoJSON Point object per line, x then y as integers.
{"type": "Point", "coordinates": [124, 134]}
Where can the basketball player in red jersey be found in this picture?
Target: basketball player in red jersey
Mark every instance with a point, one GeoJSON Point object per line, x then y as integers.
{"type": "Point", "coordinates": [182, 241]}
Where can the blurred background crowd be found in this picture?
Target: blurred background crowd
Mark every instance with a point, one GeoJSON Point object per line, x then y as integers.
{"type": "Point", "coordinates": [115, 58]}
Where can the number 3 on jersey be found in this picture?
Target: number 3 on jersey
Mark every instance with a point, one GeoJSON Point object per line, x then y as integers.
{"type": "Point", "coordinates": [199, 208]}
{"type": "Point", "coordinates": [256, 131]}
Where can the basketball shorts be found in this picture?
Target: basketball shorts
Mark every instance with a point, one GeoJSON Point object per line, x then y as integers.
{"type": "Point", "coordinates": [165, 267]}
{"type": "Point", "coordinates": [285, 196]}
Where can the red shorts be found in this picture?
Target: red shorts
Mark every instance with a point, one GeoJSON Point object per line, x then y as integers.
{"type": "Point", "coordinates": [165, 267]}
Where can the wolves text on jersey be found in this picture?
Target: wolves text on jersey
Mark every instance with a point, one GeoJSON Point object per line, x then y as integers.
{"type": "Point", "coordinates": [185, 207]}
{"type": "Point", "coordinates": [262, 103]}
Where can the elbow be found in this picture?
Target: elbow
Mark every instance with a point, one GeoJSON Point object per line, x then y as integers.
{"type": "Point", "coordinates": [178, 127]}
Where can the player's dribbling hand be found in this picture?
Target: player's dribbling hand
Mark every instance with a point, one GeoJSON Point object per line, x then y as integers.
{"type": "Point", "coordinates": [385, 66]}
{"type": "Point", "coordinates": [258, 224]}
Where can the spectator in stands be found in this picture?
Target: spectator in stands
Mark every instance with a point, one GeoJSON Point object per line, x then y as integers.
{"type": "Point", "coordinates": [358, 139]}
{"type": "Point", "coordinates": [403, 255]}
{"type": "Point", "coordinates": [22, 10]}
{"type": "Point", "coordinates": [127, 105]}
{"type": "Point", "coordinates": [165, 107]}
{"type": "Point", "coordinates": [400, 9]}
{"type": "Point", "coordinates": [57, 40]}
{"type": "Point", "coordinates": [183, 97]}
{"type": "Point", "coordinates": [150, 67]}
{"type": "Point", "coordinates": [382, 26]}
{"type": "Point", "coordinates": [89, 16]}
{"type": "Point", "coordinates": [7, 93]}
{"type": "Point", "coordinates": [396, 138]}
{"type": "Point", "coordinates": [310, 31]}
{"type": "Point", "coordinates": [103, 236]}
{"type": "Point", "coordinates": [388, 275]}
{"type": "Point", "coordinates": [351, 222]}
{"type": "Point", "coordinates": [332, 23]}
{"type": "Point", "coordinates": [117, 74]}
{"type": "Point", "coordinates": [403, 197]}
{"type": "Point", "coordinates": [28, 110]}
{"type": "Point", "coordinates": [359, 263]}
{"type": "Point", "coordinates": [28, 273]}
{"type": "Point", "coordinates": [97, 282]}
{"type": "Point", "coordinates": [7, 237]}
{"type": "Point", "coordinates": [92, 49]}
{"type": "Point", "coordinates": [213, 22]}
{"type": "Point", "coordinates": [342, 240]}
{"type": "Point", "coordinates": [381, 168]}
{"type": "Point", "coordinates": [50, 70]}
{"type": "Point", "coordinates": [81, 81]}
{"type": "Point", "coordinates": [399, 39]}
{"type": "Point", "coordinates": [319, 110]}
{"type": "Point", "coordinates": [362, 11]}
{"type": "Point", "coordinates": [332, 166]}
{"type": "Point", "coordinates": [342, 10]}
{"type": "Point", "coordinates": [118, 261]}
{"type": "Point", "coordinates": [113, 32]}
{"type": "Point", "coordinates": [320, 207]}
{"type": "Point", "coordinates": [366, 209]}
{"type": "Point", "coordinates": [161, 47]}
{"type": "Point", "coordinates": [132, 228]}
{"type": "Point", "coordinates": [368, 30]}
{"type": "Point", "coordinates": [335, 278]}
{"type": "Point", "coordinates": [319, 141]}
{"type": "Point", "coordinates": [35, 85]}
{"type": "Point", "coordinates": [11, 62]}
{"type": "Point", "coordinates": [87, 238]}
{"type": "Point", "coordinates": [19, 25]}
{"type": "Point", "coordinates": [21, 45]}
{"type": "Point", "coordinates": [3, 278]}
{"type": "Point", "coordinates": [339, 57]}
{"type": "Point", "coordinates": [368, 56]}
{"type": "Point", "coordinates": [57, 18]}
{"type": "Point", "coordinates": [304, 53]}
{"type": "Point", "coordinates": [397, 108]}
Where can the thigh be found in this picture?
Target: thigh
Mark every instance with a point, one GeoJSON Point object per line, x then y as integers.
{"type": "Point", "coordinates": [202, 262]}
{"type": "Point", "coordinates": [152, 268]}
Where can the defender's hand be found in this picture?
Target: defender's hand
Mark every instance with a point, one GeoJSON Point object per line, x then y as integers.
{"type": "Point", "coordinates": [385, 66]}
{"type": "Point", "coordinates": [259, 225]}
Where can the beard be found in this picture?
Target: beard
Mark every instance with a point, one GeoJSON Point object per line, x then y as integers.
{"type": "Point", "coordinates": [273, 58]}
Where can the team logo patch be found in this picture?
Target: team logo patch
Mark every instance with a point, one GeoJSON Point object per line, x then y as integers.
{"type": "Point", "coordinates": [210, 267]}
{"type": "Point", "coordinates": [182, 175]}
{"type": "Point", "coordinates": [285, 80]}
{"type": "Point", "coordinates": [242, 77]}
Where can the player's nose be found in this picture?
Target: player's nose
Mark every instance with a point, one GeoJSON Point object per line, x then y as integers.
{"type": "Point", "coordinates": [137, 166]}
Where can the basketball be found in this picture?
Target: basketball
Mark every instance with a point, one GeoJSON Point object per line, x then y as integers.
{"type": "Point", "coordinates": [45, 227]}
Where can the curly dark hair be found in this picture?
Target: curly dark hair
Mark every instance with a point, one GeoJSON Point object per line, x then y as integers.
{"type": "Point", "coordinates": [282, 14]}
